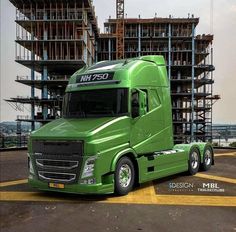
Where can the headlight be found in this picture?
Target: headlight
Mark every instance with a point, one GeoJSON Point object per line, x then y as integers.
{"type": "Point", "coordinates": [89, 167]}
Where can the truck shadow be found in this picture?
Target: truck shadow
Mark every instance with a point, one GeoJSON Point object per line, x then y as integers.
{"type": "Point", "coordinates": [88, 198]}
{"type": "Point", "coordinates": [71, 197]}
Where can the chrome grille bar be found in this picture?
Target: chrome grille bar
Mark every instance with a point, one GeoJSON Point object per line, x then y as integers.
{"type": "Point", "coordinates": [56, 176]}
{"type": "Point", "coordinates": [59, 164]}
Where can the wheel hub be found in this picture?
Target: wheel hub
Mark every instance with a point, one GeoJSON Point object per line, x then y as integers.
{"type": "Point", "coordinates": [125, 175]}
{"type": "Point", "coordinates": [207, 157]}
{"type": "Point", "coordinates": [194, 161]}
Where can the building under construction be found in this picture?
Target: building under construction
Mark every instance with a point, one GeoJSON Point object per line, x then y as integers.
{"type": "Point", "coordinates": [189, 63]}
{"type": "Point", "coordinates": [56, 38]}
{"type": "Point", "coordinates": [53, 39]}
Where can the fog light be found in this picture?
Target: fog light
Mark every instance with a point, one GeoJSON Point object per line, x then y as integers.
{"type": "Point", "coordinates": [88, 181]}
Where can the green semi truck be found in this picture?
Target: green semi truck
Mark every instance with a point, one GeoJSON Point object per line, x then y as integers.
{"type": "Point", "coordinates": [115, 132]}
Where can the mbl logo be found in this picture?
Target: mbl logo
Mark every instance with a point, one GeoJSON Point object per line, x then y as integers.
{"type": "Point", "coordinates": [210, 185]}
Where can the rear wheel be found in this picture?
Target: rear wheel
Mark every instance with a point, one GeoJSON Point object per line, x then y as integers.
{"type": "Point", "coordinates": [207, 158]}
{"type": "Point", "coordinates": [124, 176]}
{"type": "Point", "coordinates": [194, 161]}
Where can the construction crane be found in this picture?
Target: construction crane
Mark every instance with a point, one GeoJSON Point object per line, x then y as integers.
{"type": "Point", "coordinates": [119, 29]}
{"type": "Point", "coordinates": [211, 17]}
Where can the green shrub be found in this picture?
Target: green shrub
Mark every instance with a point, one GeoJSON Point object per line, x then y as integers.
{"type": "Point", "coordinates": [215, 144]}
{"type": "Point", "coordinates": [233, 144]}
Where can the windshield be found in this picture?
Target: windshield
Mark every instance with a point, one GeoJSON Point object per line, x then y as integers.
{"type": "Point", "coordinates": [96, 103]}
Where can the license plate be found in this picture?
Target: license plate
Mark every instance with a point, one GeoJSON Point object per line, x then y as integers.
{"type": "Point", "coordinates": [56, 185]}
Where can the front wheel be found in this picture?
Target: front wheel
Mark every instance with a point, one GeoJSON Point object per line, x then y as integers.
{"type": "Point", "coordinates": [194, 161]}
{"type": "Point", "coordinates": [124, 176]}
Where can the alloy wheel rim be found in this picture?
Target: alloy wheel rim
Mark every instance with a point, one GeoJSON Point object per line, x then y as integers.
{"type": "Point", "coordinates": [194, 161]}
{"type": "Point", "coordinates": [207, 157]}
{"type": "Point", "coordinates": [125, 175]}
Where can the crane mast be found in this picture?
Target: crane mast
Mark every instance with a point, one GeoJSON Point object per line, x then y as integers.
{"type": "Point", "coordinates": [119, 29]}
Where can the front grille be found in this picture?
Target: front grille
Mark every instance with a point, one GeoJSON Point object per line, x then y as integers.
{"type": "Point", "coordinates": [57, 164]}
{"type": "Point", "coordinates": [54, 176]}
{"type": "Point", "coordinates": [57, 161]}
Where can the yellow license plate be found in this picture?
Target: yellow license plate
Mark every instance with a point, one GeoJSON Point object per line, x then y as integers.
{"type": "Point", "coordinates": [56, 185]}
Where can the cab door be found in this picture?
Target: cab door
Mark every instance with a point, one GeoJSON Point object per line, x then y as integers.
{"type": "Point", "coordinates": [146, 123]}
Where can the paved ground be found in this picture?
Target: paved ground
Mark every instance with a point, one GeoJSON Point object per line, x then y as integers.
{"type": "Point", "coordinates": [205, 202]}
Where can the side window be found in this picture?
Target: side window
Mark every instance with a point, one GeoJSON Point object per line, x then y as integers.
{"type": "Point", "coordinates": [154, 99]}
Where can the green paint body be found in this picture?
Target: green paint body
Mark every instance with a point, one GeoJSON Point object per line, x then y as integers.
{"type": "Point", "coordinates": [110, 138]}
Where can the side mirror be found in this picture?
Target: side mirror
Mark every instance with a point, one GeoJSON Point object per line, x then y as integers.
{"type": "Point", "coordinates": [138, 103]}
{"type": "Point", "coordinates": [135, 108]}
{"type": "Point", "coordinates": [142, 103]}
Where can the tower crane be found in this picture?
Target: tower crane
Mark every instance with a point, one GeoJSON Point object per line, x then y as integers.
{"type": "Point", "coordinates": [119, 29]}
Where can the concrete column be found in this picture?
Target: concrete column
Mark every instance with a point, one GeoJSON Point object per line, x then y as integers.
{"type": "Point", "coordinates": [96, 52]}
{"type": "Point", "coordinates": [45, 92]}
{"type": "Point", "coordinates": [193, 75]}
{"type": "Point", "coordinates": [139, 40]}
{"type": "Point", "coordinates": [211, 89]}
{"type": "Point", "coordinates": [109, 43]}
{"type": "Point", "coordinates": [169, 51]}
{"type": "Point", "coordinates": [32, 88]}
{"type": "Point", "coordinates": [109, 49]}
{"type": "Point", "coordinates": [45, 32]}
{"type": "Point", "coordinates": [45, 17]}
{"type": "Point", "coordinates": [32, 96]}
{"type": "Point", "coordinates": [85, 52]}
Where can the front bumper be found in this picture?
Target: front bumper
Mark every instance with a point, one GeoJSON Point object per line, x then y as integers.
{"type": "Point", "coordinates": [62, 164]}
{"type": "Point", "coordinates": [74, 188]}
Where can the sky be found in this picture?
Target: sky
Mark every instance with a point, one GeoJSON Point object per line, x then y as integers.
{"type": "Point", "coordinates": [224, 45]}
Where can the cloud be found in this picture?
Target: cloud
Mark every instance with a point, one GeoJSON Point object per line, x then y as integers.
{"type": "Point", "coordinates": [233, 8]}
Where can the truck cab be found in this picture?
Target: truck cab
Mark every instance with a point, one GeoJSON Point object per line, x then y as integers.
{"type": "Point", "coordinates": [116, 131]}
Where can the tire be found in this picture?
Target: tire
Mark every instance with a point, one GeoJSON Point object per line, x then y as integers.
{"type": "Point", "coordinates": [207, 158]}
{"type": "Point", "coordinates": [124, 176]}
{"type": "Point", "coordinates": [194, 161]}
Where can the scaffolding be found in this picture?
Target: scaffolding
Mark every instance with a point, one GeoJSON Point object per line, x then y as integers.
{"type": "Point", "coordinates": [53, 39]}
{"type": "Point", "coordinates": [189, 64]}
